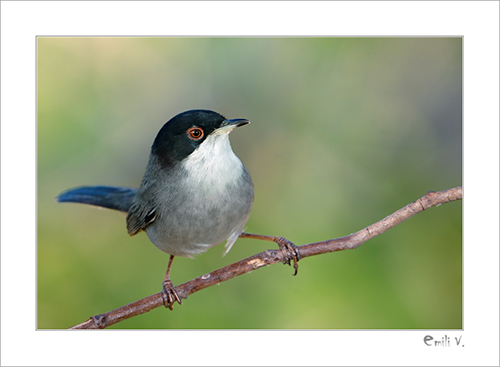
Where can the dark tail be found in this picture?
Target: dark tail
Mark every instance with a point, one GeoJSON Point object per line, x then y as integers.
{"type": "Point", "coordinates": [118, 198]}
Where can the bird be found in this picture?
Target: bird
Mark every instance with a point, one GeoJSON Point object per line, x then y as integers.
{"type": "Point", "coordinates": [195, 193]}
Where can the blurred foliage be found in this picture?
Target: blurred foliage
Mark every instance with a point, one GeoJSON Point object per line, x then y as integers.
{"type": "Point", "coordinates": [344, 132]}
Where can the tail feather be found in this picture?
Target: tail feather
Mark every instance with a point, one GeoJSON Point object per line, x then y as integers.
{"type": "Point", "coordinates": [118, 198]}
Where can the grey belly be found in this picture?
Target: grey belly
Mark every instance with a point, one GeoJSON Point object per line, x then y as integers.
{"type": "Point", "coordinates": [181, 231]}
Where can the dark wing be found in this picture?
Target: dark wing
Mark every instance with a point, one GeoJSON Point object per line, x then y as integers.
{"type": "Point", "coordinates": [139, 217]}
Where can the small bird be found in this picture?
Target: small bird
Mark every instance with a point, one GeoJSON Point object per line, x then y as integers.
{"type": "Point", "coordinates": [195, 193]}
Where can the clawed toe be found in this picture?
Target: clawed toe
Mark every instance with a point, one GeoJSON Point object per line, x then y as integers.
{"type": "Point", "coordinates": [170, 295]}
{"type": "Point", "coordinates": [290, 252]}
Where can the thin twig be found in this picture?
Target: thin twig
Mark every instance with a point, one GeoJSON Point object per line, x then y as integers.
{"type": "Point", "coordinates": [270, 257]}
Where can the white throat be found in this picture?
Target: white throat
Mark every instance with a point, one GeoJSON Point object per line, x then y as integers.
{"type": "Point", "coordinates": [214, 163]}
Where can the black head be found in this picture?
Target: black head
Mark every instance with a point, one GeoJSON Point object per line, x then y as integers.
{"type": "Point", "coordinates": [180, 136]}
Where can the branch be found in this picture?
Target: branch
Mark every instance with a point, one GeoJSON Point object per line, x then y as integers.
{"type": "Point", "coordinates": [270, 257]}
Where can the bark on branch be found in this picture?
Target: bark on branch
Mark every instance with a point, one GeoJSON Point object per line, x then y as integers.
{"type": "Point", "coordinates": [270, 257]}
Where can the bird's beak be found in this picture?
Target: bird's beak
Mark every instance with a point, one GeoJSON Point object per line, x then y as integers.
{"type": "Point", "coordinates": [228, 125]}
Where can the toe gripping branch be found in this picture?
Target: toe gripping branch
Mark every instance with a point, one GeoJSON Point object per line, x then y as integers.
{"type": "Point", "coordinates": [290, 253]}
{"type": "Point", "coordinates": [289, 250]}
{"type": "Point", "coordinates": [170, 295]}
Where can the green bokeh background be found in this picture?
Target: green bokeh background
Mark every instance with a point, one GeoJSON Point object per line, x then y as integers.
{"type": "Point", "coordinates": [344, 132]}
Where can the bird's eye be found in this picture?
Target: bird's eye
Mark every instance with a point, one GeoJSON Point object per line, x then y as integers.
{"type": "Point", "coordinates": [195, 133]}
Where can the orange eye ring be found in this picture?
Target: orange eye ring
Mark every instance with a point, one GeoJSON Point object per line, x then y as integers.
{"type": "Point", "coordinates": [195, 133]}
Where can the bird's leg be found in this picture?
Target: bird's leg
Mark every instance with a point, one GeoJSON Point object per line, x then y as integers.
{"type": "Point", "coordinates": [169, 293]}
{"type": "Point", "coordinates": [288, 248]}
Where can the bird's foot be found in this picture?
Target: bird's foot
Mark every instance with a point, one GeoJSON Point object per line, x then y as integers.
{"type": "Point", "coordinates": [290, 252]}
{"type": "Point", "coordinates": [169, 294]}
